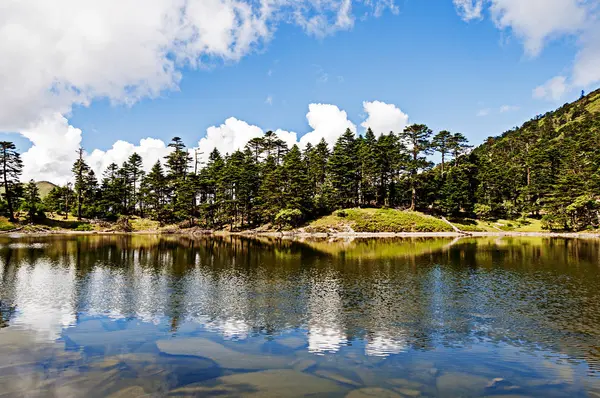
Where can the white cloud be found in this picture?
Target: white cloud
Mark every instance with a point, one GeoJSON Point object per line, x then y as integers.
{"type": "Point", "coordinates": [328, 122]}
{"type": "Point", "coordinates": [383, 118]}
{"type": "Point", "coordinates": [65, 52]}
{"type": "Point", "coordinates": [469, 9]}
{"type": "Point", "coordinates": [228, 137]}
{"type": "Point", "coordinates": [55, 145]}
{"type": "Point", "coordinates": [69, 52]}
{"type": "Point", "coordinates": [150, 149]}
{"type": "Point", "coordinates": [55, 142]}
{"type": "Point", "coordinates": [53, 152]}
{"type": "Point", "coordinates": [269, 100]}
{"type": "Point", "coordinates": [553, 89]}
{"type": "Point", "coordinates": [508, 108]}
{"type": "Point", "coordinates": [483, 112]}
{"type": "Point", "coordinates": [586, 70]}
{"type": "Point", "coordinates": [537, 22]}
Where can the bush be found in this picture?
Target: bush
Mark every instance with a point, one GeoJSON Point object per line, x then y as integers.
{"type": "Point", "coordinates": [483, 212]}
{"type": "Point", "coordinates": [123, 224]}
{"type": "Point", "coordinates": [341, 213]}
{"type": "Point", "coordinates": [290, 218]}
{"type": "Point", "coordinates": [84, 227]}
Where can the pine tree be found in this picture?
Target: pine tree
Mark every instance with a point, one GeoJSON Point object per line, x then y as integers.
{"type": "Point", "coordinates": [181, 189]}
{"type": "Point", "coordinates": [154, 191]}
{"type": "Point", "coordinates": [417, 138]}
{"type": "Point", "coordinates": [297, 190]}
{"type": "Point", "coordinates": [136, 173]}
{"type": "Point", "coordinates": [442, 143]}
{"type": "Point", "coordinates": [80, 170]}
{"type": "Point", "coordinates": [369, 172]}
{"type": "Point", "coordinates": [458, 144]}
{"type": "Point", "coordinates": [32, 204]}
{"type": "Point", "coordinates": [344, 170]}
{"type": "Point", "coordinates": [12, 168]}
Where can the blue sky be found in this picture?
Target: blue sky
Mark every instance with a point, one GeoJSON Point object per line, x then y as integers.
{"type": "Point", "coordinates": [438, 69]}
{"type": "Point", "coordinates": [469, 74]}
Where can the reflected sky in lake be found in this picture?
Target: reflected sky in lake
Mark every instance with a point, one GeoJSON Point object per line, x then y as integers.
{"type": "Point", "coordinates": [526, 308]}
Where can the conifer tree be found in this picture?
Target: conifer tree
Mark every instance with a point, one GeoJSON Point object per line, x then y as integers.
{"type": "Point", "coordinates": [32, 204]}
{"type": "Point", "coordinates": [80, 170]}
{"type": "Point", "coordinates": [443, 143]}
{"type": "Point", "coordinates": [417, 138]}
{"type": "Point", "coordinates": [12, 167]}
{"type": "Point", "coordinates": [344, 170]}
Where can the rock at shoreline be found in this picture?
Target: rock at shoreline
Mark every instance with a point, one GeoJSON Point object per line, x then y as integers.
{"type": "Point", "coordinates": [373, 392]}
{"type": "Point", "coordinates": [223, 356]}
{"type": "Point", "coordinates": [265, 384]}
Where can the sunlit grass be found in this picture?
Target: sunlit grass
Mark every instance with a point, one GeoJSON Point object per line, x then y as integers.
{"type": "Point", "coordinates": [378, 220]}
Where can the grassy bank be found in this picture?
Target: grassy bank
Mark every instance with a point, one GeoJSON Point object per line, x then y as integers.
{"type": "Point", "coordinates": [377, 220]}
{"type": "Point", "coordinates": [521, 225]}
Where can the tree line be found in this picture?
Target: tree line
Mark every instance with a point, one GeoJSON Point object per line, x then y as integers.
{"type": "Point", "coordinates": [547, 168]}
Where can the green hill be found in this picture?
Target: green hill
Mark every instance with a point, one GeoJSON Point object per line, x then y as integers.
{"type": "Point", "coordinates": [45, 187]}
{"type": "Point", "coordinates": [549, 167]}
{"type": "Point", "coordinates": [377, 220]}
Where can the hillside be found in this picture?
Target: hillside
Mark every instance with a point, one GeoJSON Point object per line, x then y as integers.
{"type": "Point", "coordinates": [45, 187]}
{"type": "Point", "coordinates": [377, 220]}
{"type": "Point", "coordinates": [548, 167]}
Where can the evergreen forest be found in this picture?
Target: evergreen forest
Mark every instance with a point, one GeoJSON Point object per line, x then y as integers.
{"type": "Point", "coordinates": [549, 168]}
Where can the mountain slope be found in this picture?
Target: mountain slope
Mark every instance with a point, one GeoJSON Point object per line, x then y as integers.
{"type": "Point", "coordinates": [547, 167]}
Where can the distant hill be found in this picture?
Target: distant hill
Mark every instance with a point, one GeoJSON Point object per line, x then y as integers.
{"type": "Point", "coordinates": [45, 187]}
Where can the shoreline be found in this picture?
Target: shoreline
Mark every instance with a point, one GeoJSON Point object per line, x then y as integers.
{"type": "Point", "coordinates": [312, 235]}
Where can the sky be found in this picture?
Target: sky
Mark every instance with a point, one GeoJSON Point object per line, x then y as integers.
{"type": "Point", "coordinates": [123, 76]}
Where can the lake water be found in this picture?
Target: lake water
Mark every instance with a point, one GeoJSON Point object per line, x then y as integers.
{"type": "Point", "coordinates": [129, 316]}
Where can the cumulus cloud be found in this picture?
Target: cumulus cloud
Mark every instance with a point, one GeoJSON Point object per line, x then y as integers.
{"type": "Point", "coordinates": [383, 118]}
{"type": "Point", "coordinates": [537, 22]}
{"type": "Point", "coordinates": [469, 9]}
{"type": "Point", "coordinates": [150, 149]}
{"type": "Point", "coordinates": [228, 137]}
{"type": "Point", "coordinates": [553, 89]}
{"type": "Point", "coordinates": [328, 122]}
{"type": "Point", "coordinates": [55, 142]}
{"type": "Point", "coordinates": [53, 150]}
{"type": "Point", "coordinates": [67, 52]}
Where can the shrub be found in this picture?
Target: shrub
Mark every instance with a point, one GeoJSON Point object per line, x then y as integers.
{"type": "Point", "coordinates": [483, 212]}
{"type": "Point", "coordinates": [289, 218]}
{"type": "Point", "coordinates": [123, 224]}
{"type": "Point", "coordinates": [84, 227]}
{"type": "Point", "coordinates": [341, 213]}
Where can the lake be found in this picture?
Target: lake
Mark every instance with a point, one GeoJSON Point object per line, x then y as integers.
{"type": "Point", "coordinates": [129, 316]}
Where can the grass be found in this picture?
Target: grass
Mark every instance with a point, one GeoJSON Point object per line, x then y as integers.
{"type": "Point", "coordinates": [521, 225]}
{"type": "Point", "coordinates": [377, 220]}
{"type": "Point", "coordinates": [143, 224]}
{"type": "Point", "coordinates": [6, 225]}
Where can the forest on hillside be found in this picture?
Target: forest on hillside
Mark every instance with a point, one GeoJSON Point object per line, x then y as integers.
{"type": "Point", "coordinates": [547, 168]}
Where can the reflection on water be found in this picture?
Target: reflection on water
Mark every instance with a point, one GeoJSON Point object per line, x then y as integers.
{"type": "Point", "coordinates": [135, 315]}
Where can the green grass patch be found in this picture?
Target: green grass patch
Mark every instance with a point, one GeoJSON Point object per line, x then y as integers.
{"type": "Point", "coordinates": [143, 224]}
{"type": "Point", "coordinates": [6, 225]}
{"type": "Point", "coordinates": [378, 220]}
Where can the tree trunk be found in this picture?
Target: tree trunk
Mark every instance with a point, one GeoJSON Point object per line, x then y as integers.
{"type": "Point", "coordinates": [11, 216]}
{"type": "Point", "coordinates": [443, 161]}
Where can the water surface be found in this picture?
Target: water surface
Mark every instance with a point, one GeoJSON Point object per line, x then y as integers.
{"type": "Point", "coordinates": [135, 315]}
